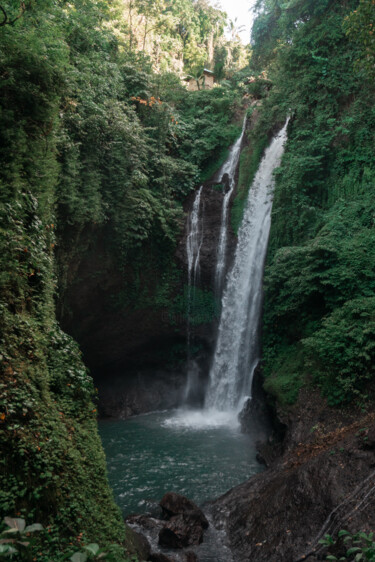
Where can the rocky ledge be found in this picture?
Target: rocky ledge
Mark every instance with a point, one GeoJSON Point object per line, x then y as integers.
{"type": "Point", "coordinates": [324, 481]}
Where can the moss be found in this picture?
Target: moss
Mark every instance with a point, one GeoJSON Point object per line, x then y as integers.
{"type": "Point", "coordinates": [52, 465]}
{"type": "Point", "coordinates": [199, 306]}
{"type": "Point", "coordinates": [249, 163]}
{"type": "Point", "coordinates": [286, 376]}
{"type": "Point", "coordinates": [218, 157]}
{"type": "Point", "coordinates": [214, 165]}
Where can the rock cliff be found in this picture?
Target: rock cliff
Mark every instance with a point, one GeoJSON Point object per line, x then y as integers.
{"type": "Point", "coordinates": [322, 482]}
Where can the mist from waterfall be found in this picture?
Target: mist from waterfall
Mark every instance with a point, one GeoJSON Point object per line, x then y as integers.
{"type": "Point", "coordinates": [237, 346]}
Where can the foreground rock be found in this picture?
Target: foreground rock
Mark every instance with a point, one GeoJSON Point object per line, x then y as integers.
{"type": "Point", "coordinates": [186, 522]}
{"type": "Point", "coordinates": [181, 531]}
{"type": "Point", "coordinates": [176, 504]}
{"type": "Point", "coordinates": [181, 525]}
{"type": "Point", "coordinates": [324, 482]}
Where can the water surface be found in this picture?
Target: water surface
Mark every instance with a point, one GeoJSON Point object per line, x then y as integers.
{"type": "Point", "coordinates": [197, 454]}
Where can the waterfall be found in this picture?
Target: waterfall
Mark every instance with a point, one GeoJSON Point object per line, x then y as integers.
{"type": "Point", "coordinates": [229, 168]}
{"type": "Point", "coordinates": [193, 247]}
{"type": "Point", "coordinates": [237, 347]}
{"type": "Point", "coordinates": [194, 240]}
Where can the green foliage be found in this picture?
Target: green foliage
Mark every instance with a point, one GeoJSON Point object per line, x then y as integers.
{"type": "Point", "coordinates": [206, 127]}
{"type": "Point", "coordinates": [92, 140]}
{"type": "Point", "coordinates": [285, 374]}
{"type": "Point", "coordinates": [342, 351]}
{"type": "Point", "coordinates": [19, 541]}
{"type": "Point", "coordinates": [130, 153]}
{"type": "Point", "coordinates": [249, 163]}
{"type": "Point", "coordinates": [361, 546]}
{"type": "Point", "coordinates": [359, 26]}
{"type": "Point", "coordinates": [18, 538]}
{"type": "Point", "coordinates": [198, 306]}
{"type": "Point", "coordinates": [171, 33]}
{"type": "Point", "coordinates": [52, 467]}
{"type": "Point", "coordinates": [319, 281]}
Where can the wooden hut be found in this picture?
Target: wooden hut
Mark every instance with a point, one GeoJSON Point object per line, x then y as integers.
{"type": "Point", "coordinates": [204, 82]}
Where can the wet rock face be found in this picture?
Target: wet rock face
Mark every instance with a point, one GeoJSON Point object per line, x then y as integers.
{"type": "Point", "coordinates": [256, 415]}
{"type": "Point", "coordinates": [210, 211]}
{"type": "Point", "coordinates": [130, 394]}
{"type": "Point", "coordinates": [159, 557]}
{"type": "Point", "coordinates": [121, 345]}
{"type": "Point", "coordinates": [320, 485]}
{"type": "Point", "coordinates": [185, 557]}
{"type": "Point", "coordinates": [110, 334]}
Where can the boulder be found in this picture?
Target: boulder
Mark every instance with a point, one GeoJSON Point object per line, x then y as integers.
{"type": "Point", "coordinates": [174, 504]}
{"type": "Point", "coordinates": [145, 522]}
{"type": "Point", "coordinates": [181, 531]}
{"type": "Point", "coordinates": [141, 544]}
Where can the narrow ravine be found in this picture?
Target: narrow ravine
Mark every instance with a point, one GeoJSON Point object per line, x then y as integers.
{"type": "Point", "coordinates": [193, 451]}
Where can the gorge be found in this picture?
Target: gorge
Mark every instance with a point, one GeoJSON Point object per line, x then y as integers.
{"type": "Point", "coordinates": [170, 259]}
{"type": "Point", "coordinates": [193, 451]}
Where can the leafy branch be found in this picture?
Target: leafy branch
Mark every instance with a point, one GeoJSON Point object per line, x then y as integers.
{"type": "Point", "coordinates": [8, 21]}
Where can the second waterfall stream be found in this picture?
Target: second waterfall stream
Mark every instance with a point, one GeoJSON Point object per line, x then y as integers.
{"type": "Point", "coordinates": [237, 347]}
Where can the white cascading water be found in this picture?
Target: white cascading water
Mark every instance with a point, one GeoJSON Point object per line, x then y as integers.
{"type": "Point", "coordinates": [194, 240]}
{"type": "Point", "coordinates": [229, 167]}
{"type": "Point", "coordinates": [237, 346]}
{"type": "Point", "coordinates": [193, 247]}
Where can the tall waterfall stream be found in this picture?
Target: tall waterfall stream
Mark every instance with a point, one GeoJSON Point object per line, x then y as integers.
{"type": "Point", "coordinates": [237, 347]}
{"type": "Point", "coordinates": [202, 453]}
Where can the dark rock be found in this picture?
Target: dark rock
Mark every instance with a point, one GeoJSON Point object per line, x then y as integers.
{"type": "Point", "coordinates": [186, 522]}
{"type": "Point", "coordinates": [280, 513]}
{"type": "Point", "coordinates": [141, 545]}
{"type": "Point", "coordinates": [124, 395]}
{"type": "Point", "coordinates": [261, 459]}
{"type": "Point", "coordinates": [256, 417]}
{"type": "Point", "coordinates": [160, 557]}
{"type": "Point", "coordinates": [368, 439]}
{"type": "Point", "coordinates": [190, 556]}
{"type": "Point", "coordinates": [175, 504]}
{"type": "Point", "coordinates": [144, 521]}
{"type": "Point", "coordinates": [168, 538]}
{"type": "Point", "coordinates": [181, 530]}
{"type": "Point", "coordinates": [114, 338]}
{"type": "Point", "coordinates": [226, 182]}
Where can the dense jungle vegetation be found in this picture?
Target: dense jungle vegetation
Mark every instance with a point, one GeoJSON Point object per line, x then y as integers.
{"type": "Point", "coordinates": [97, 129]}
{"type": "Point", "coordinates": [319, 305]}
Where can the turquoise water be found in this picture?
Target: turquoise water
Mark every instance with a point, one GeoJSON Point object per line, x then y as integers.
{"type": "Point", "coordinates": [197, 454]}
